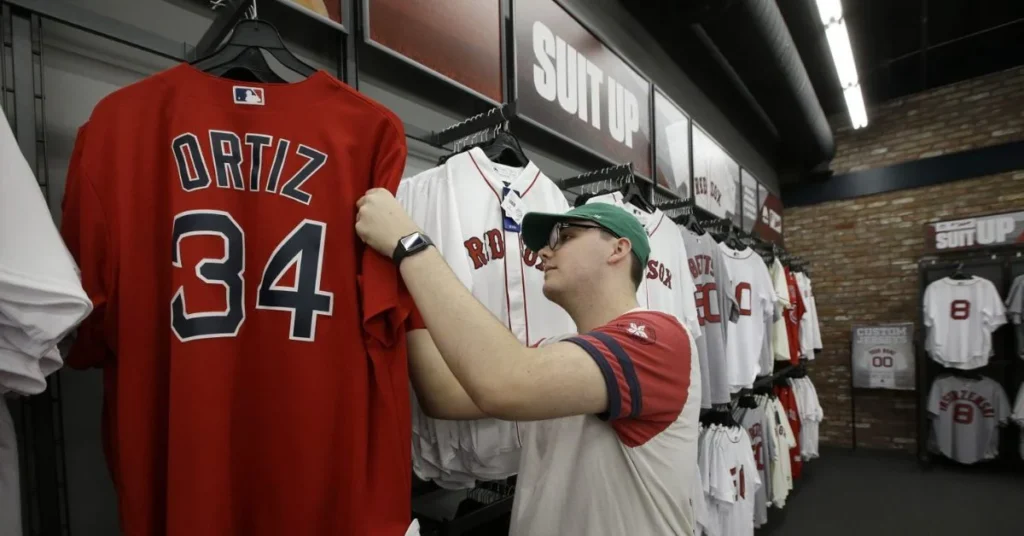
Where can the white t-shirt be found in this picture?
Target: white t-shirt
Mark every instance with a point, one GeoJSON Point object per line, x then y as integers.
{"type": "Point", "coordinates": [629, 470]}
{"type": "Point", "coordinates": [41, 297]}
{"type": "Point", "coordinates": [780, 339]}
{"type": "Point", "coordinates": [734, 482]}
{"type": "Point", "coordinates": [960, 315]}
{"type": "Point", "coordinates": [756, 300]}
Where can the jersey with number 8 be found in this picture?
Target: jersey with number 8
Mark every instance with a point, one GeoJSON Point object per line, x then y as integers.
{"type": "Point", "coordinates": [256, 378]}
{"type": "Point", "coordinates": [961, 315]}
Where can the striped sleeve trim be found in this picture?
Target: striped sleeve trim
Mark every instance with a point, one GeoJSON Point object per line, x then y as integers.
{"type": "Point", "coordinates": [628, 372]}
{"type": "Point", "coordinates": [611, 383]}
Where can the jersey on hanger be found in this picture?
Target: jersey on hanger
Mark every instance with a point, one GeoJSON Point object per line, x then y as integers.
{"type": "Point", "coordinates": [256, 379]}
{"type": "Point", "coordinates": [960, 315]}
{"type": "Point", "coordinates": [780, 335]}
{"type": "Point", "coordinates": [966, 414]}
{"type": "Point", "coordinates": [1015, 311]}
{"type": "Point", "coordinates": [715, 299]}
{"type": "Point", "coordinates": [793, 316]}
{"type": "Point", "coordinates": [459, 205]}
{"type": "Point", "coordinates": [756, 300]}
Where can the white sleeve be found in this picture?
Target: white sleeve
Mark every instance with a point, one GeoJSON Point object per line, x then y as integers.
{"type": "Point", "coordinates": [935, 395]}
{"type": "Point", "coordinates": [995, 311]}
{"type": "Point", "coordinates": [1003, 410]}
{"type": "Point", "coordinates": [724, 460]}
{"type": "Point", "coordinates": [688, 287]}
{"type": "Point", "coordinates": [1018, 406]}
{"type": "Point", "coordinates": [926, 306]}
{"type": "Point", "coordinates": [784, 421]}
{"type": "Point", "coordinates": [779, 284]}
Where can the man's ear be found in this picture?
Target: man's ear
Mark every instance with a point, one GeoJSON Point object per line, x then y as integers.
{"type": "Point", "coordinates": [623, 249]}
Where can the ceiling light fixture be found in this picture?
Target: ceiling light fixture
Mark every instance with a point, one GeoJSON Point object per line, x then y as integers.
{"type": "Point", "coordinates": [831, 12]}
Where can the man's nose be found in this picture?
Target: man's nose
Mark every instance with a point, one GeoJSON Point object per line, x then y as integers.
{"type": "Point", "coordinates": [546, 253]}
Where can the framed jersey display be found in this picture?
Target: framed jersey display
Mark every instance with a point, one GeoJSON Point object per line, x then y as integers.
{"type": "Point", "coordinates": [882, 356]}
{"type": "Point", "coordinates": [716, 178]}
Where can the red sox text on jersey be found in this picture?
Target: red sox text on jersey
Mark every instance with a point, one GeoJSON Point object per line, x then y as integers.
{"type": "Point", "coordinates": [491, 246]}
{"type": "Point", "coordinates": [701, 185]}
{"type": "Point", "coordinates": [706, 295]}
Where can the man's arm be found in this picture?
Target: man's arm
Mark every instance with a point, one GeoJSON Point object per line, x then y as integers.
{"type": "Point", "coordinates": [499, 375]}
{"type": "Point", "coordinates": [440, 394]}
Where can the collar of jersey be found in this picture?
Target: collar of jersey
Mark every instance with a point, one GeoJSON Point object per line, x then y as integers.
{"type": "Point", "coordinates": [651, 221]}
{"type": "Point", "coordinates": [522, 183]}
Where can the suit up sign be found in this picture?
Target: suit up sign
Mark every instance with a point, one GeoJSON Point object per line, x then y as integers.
{"type": "Point", "coordinates": [570, 83]}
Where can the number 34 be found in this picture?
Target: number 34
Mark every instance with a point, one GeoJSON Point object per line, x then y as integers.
{"type": "Point", "coordinates": [303, 247]}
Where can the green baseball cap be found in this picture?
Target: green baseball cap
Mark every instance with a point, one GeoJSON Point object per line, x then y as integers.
{"type": "Point", "coordinates": [536, 228]}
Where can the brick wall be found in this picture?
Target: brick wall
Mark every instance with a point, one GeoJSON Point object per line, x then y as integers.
{"type": "Point", "coordinates": [863, 252]}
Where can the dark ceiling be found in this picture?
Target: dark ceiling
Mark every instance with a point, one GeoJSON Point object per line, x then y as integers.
{"type": "Point", "coordinates": [907, 46]}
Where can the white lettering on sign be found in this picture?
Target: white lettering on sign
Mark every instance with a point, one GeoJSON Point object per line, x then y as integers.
{"type": "Point", "coordinates": [772, 219]}
{"type": "Point", "coordinates": [563, 73]}
{"type": "Point", "coordinates": [967, 233]}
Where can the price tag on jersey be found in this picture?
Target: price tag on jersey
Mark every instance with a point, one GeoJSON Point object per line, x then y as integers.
{"type": "Point", "coordinates": [513, 210]}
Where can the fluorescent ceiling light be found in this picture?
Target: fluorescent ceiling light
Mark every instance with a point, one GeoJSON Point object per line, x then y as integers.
{"type": "Point", "coordinates": [855, 105]}
{"type": "Point", "coordinates": [842, 54]}
{"type": "Point", "coordinates": [831, 12]}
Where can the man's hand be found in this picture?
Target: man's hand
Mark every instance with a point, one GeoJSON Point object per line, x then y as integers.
{"type": "Point", "coordinates": [381, 222]}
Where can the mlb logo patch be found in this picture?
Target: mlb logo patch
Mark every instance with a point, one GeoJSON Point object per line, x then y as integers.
{"type": "Point", "coordinates": [249, 95]}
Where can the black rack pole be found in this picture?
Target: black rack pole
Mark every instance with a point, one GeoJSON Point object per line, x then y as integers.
{"type": "Point", "coordinates": [476, 123]}
{"type": "Point", "coordinates": [603, 174]}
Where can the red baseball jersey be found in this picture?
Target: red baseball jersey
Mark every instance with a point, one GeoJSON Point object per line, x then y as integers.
{"type": "Point", "coordinates": [793, 316]}
{"type": "Point", "coordinates": [788, 399]}
{"type": "Point", "coordinates": [253, 349]}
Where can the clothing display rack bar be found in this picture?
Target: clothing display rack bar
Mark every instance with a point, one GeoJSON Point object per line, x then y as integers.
{"type": "Point", "coordinates": [474, 124]}
{"type": "Point", "coordinates": [228, 16]}
{"type": "Point", "coordinates": [611, 173]}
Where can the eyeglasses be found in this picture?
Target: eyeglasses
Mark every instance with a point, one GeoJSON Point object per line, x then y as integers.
{"type": "Point", "coordinates": [555, 238]}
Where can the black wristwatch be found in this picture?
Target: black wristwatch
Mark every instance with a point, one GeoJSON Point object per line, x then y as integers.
{"type": "Point", "coordinates": [410, 245]}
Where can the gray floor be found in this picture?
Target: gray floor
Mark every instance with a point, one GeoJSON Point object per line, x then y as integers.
{"type": "Point", "coordinates": [881, 494]}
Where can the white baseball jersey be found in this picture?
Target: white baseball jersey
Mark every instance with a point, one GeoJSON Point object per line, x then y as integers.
{"type": "Point", "coordinates": [10, 489]}
{"type": "Point", "coordinates": [458, 205]}
{"type": "Point", "coordinates": [754, 421]}
{"type": "Point", "coordinates": [667, 285]}
{"type": "Point", "coordinates": [810, 330]}
{"type": "Point", "coordinates": [755, 299]}
{"type": "Point", "coordinates": [780, 339]}
{"type": "Point", "coordinates": [41, 298]}
{"type": "Point", "coordinates": [1018, 416]}
{"type": "Point", "coordinates": [1015, 311]}
{"type": "Point", "coordinates": [734, 481]}
{"type": "Point", "coordinates": [966, 415]}
{"type": "Point", "coordinates": [715, 299]}
{"type": "Point", "coordinates": [786, 442]}
{"type": "Point", "coordinates": [960, 315]}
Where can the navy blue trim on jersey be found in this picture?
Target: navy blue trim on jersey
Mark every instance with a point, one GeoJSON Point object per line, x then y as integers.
{"type": "Point", "coordinates": [611, 384]}
{"type": "Point", "coordinates": [635, 397]}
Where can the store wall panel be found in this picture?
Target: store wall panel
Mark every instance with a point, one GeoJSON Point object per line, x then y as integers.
{"type": "Point", "coordinates": [610, 21]}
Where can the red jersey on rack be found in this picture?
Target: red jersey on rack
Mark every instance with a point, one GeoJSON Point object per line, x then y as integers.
{"type": "Point", "coordinates": [793, 316]}
{"type": "Point", "coordinates": [788, 400]}
{"type": "Point", "coordinates": [252, 346]}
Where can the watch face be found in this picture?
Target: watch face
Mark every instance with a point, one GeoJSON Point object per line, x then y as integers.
{"type": "Point", "coordinates": [409, 241]}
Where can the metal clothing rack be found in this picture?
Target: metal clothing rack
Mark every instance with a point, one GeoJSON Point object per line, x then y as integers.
{"type": "Point", "coordinates": [477, 123]}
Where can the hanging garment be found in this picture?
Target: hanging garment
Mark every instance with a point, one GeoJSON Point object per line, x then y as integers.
{"type": "Point", "coordinates": [966, 415]}
{"type": "Point", "coordinates": [748, 355]}
{"type": "Point", "coordinates": [254, 350]}
{"type": "Point", "coordinates": [717, 310]}
{"type": "Point", "coordinates": [960, 316]}
{"type": "Point", "coordinates": [459, 205]}
{"type": "Point", "coordinates": [780, 337]}
{"type": "Point", "coordinates": [1015, 311]}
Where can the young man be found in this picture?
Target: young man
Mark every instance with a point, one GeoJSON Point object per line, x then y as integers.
{"type": "Point", "coordinates": [613, 446]}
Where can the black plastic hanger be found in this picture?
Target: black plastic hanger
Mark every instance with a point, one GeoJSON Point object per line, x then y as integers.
{"type": "Point", "coordinates": [959, 274]}
{"type": "Point", "coordinates": [505, 149]}
{"type": "Point", "coordinates": [631, 194]}
{"type": "Point", "coordinates": [240, 57]}
{"type": "Point", "coordinates": [694, 225]}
